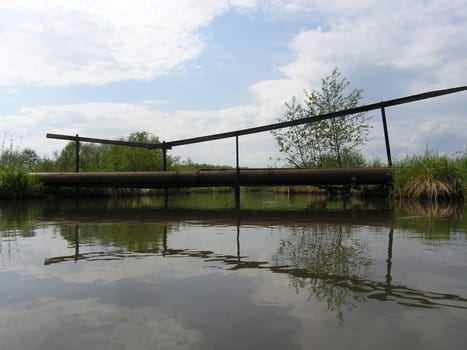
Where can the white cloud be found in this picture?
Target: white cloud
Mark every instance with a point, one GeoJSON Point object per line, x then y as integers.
{"type": "Point", "coordinates": [98, 42]}
{"type": "Point", "coordinates": [422, 37]}
{"type": "Point", "coordinates": [245, 4]}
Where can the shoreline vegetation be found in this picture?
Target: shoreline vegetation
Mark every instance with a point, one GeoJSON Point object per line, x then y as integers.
{"type": "Point", "coordinates": [431, 178]}
{"type": "Point", "coordinates": [422, 178]}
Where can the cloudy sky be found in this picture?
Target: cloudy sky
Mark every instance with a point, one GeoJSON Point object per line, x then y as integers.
{"type": "Point", "coordinates": [186, 68]}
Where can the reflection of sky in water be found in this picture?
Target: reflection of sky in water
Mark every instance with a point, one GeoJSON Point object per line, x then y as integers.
{"type": "Point", "coordinates": [212, 287]}
{"type": "Point", "coordinates": [87, 323]}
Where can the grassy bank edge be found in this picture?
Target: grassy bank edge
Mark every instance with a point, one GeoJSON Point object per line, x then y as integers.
{"type": "Point", "coordinates": [427, 177]}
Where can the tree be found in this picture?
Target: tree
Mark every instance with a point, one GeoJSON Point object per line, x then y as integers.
{"type": "Point", "coordinates": [327, 143]}
{"type": "Point", "coordinates": [103, 157]}
{"type": "Point", "coordinates": [28, 158]}
{"type": "Point", "coordinates": [66, 160]}
{"type": "Point", "coordinates": [122, 158]}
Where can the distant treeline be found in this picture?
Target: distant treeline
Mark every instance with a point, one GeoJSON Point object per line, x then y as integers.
{"type": "Point", "coordinates": [99, 157]}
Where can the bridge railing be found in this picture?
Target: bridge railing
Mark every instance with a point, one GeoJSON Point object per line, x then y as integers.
{"type": "Point", "coordinates": [164, 146]}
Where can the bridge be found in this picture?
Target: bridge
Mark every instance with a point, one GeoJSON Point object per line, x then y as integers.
{"type": "Point", "coordinates": [228, 177]}
{"type": "Point", "coordinates": [238, 176]}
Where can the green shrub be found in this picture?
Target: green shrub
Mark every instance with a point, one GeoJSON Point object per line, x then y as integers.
{"type": "Point", "coordinates": [15, 182]}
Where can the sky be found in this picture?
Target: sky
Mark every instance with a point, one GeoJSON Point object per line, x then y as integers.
{"type": "Point", "coordinates": [187, 68]}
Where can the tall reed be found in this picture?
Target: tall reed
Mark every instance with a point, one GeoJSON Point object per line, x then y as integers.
{"type": "Point", "coordinates": [431, 177]}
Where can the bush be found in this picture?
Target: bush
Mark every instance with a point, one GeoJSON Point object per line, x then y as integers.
{"type": "Point", "coordinates": [16, 183]}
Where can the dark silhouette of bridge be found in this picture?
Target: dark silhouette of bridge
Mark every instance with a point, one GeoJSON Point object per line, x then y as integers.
{"type": "Point", "coordinates": [238, 176]}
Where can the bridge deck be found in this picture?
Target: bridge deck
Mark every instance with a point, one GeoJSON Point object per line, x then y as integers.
{"type": "Point", "coordinates": [230, 177]}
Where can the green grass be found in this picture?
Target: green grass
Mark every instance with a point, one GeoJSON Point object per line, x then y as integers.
{"type": "Point", "coordinates": [431, 177]}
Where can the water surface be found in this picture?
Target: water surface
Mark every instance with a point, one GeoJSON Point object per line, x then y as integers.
{"type": "Point", "coordinates": [282, 273]}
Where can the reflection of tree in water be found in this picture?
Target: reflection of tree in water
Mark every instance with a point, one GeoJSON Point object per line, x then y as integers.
{"type": "Point", "coordinates": [130, 240]}
{"type": "Point", "coordinates": [132, 237]}
{"type": "Point", "coordinates": [18, 218]}
{"type": "Point", "coordinates": [15, 222]}
{"type": "Point", "coordinates": [9, 246]}
{"type": "Point", "coordinates": [318, 257]}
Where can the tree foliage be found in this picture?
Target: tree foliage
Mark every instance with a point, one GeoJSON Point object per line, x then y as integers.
{"type": "Point", "coordinates": [328, 143]}
{"type": "Point", "coordinates": [11, 157]}
{"type": "Point", "coordinates": [97, 157]}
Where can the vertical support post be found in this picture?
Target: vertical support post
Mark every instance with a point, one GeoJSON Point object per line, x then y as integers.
{"type": "Point", "coordinates": [164, 162]}
{"type": "Point", "coordinates": [238, 243]}
{"type": "Point", "coordinates": [164, 156]}
{"type": "Point", "coordinates": [76, 243]}
{"type": "Point", "coordinates": [237, 176]}
{"type": "Point", "coordinates": [164, 241]}
{"type": "Point", "coordinates": [77, 154]}
{"type": "Point", "coordinates": [77, 163]}
{"type": "Point", "coordinates": [386, 136]}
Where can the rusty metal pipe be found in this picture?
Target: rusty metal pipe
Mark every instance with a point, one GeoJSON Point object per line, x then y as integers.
{"type": "Point", "coordinates": [208, 178]}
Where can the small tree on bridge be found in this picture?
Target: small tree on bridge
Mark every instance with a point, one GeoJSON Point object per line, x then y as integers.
{"type": "Point", "coordinates": [327, 143]}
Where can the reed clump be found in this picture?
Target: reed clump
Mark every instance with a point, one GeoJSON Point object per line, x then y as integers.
{"type": "Point", "coordinates": [431, 177]}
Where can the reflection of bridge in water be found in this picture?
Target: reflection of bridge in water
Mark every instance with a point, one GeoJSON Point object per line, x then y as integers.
{"type": "Point", "coordinates": [337, 288]}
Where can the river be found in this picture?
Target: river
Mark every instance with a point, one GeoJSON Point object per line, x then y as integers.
{"type": "Point", "coordinates": [283, 272]}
